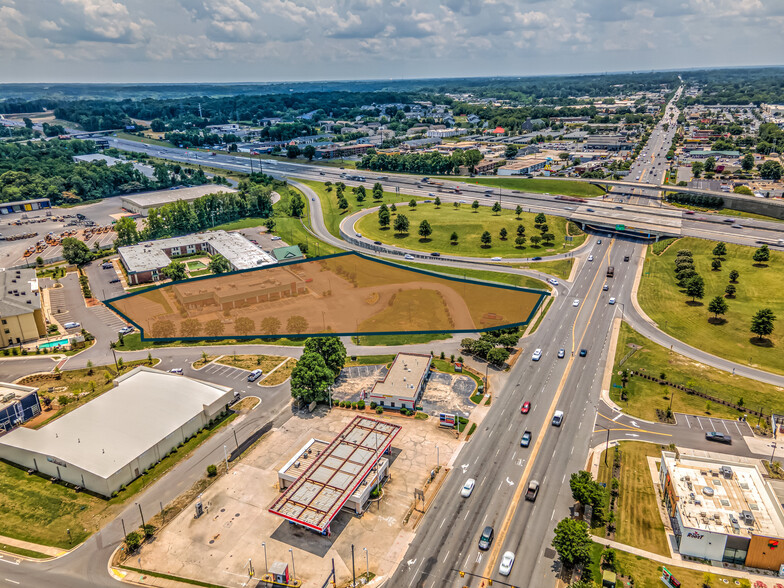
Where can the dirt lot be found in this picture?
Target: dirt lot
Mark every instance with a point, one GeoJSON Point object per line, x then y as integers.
{"type": "Point", "coordinates": [216, 547]}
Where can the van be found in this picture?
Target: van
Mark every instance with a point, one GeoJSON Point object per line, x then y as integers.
{"type": "Point", "coordinates": [558, 418]}
{"type": "Point", "coordinates": [254, 375]}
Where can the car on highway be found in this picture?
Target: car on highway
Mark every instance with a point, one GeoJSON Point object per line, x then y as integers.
{"type": "Point", "coordinates": [576, 302]}
{"type": "Point", "coordinates": [488, 191]}
{"type": "Point", "coordinates": [72, 325]}
{"type": "Point", "coordinates": [376, 242]}
{"type": "Point", "coordinates": [359, 235]}
{"type": "Point", "coordinates": [599, 242]}
{"type": "Point", "coordinates": [525, 440]}
{"type": "Point", "coordinates": [605, 287]}
{"type": "Point", "coordinates": [536, 259]}
{"type": "Point", "coordinates": [435, 254]}
{"type": "Point", "coordinates": [507, 561]}
{"type": "Point", "coordinates": [626, 258]}
{"type": "Point", "coordinates": [486, 539]}
{"type": "Point", "coordinates": [590, 210]}
{"type": "Point", "coordinates": [583, 352]}
{"type": "Point", "coordinates": [553, 281]}
{"type": "Point", "coordinates": [322, 174]}
{"type": "Point", "coordinates": [431, 194]}
{"type": "Point", "coordinates": [590, 258]}
{"type": "Point", "coordinates": [718, 437]}
{"type": "Point", "coordinates": [468, 487]}
{"type": "Point", "coordinates": [176, 371]}
{"type": "Point", "coordinates": [611, 301]}
{"type": "Point", "coordinates": [537, 355]}
{"type": "Point", "coordinates": [526, 408]}
{"type": "Point", "coordinates": [408, 256]}
{"type": "Point", "coordinates": [533, 491]}
{"type": "Point", "coordinates": [558, 417]}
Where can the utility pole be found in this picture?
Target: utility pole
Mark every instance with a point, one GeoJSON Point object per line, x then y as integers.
{"type": "Point", "coordinates": [353, 571]}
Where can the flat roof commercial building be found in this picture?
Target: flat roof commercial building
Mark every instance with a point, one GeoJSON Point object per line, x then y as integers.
{"type": "Point", "coordinates": [111, 440]}
{"type": "Point", "coordinates": [608, 142]}
{"type": "Point", "coordinates": [723, 510]}
{"type": "Point", "coordinates": [523, 165]}
{"type": "Point", "coordinates": [404, 383]}
{"type": "Point", "coordinates": [17, 405]}
{"type": "Point", "coordinates": [141, 204]}
{"type": "Point", "coordinates": [144, 262]}
{"type": "Point", "coordinates": [337, 472]}
{"type": "Point", "coordinates": [21, 318]}
{"type": "Point", "coordinates": [25, 205]}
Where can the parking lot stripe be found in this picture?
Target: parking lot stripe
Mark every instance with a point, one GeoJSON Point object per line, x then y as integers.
{"type": "Point", "coordinates": [725, 427]}
{"type": "Point", "coordinates": [699, 420]}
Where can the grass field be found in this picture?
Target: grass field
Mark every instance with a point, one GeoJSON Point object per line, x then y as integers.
{"type": "Point", "coordinates": [292, 230]}
{"type": "Point", "coordinates": [146, 140]}
{"type": "Point", "coordinates": [637, 518]}
{"type": "Point", "coordinates": [644, 396]}
{"type": "Point", "coordinates": [369, 360]}
{"type": "Point", "coordinates": [134, 342]}
{"type": "Point", "coordinates": [469, 226]}
{"type": "Point", "coordinates": [560, 268]}
{"type": "Point", "coordinates": [195, 266]}
{"type": "Point", "coordinates": [541, 186]}
{"type": "Point", "coordinates": [329, 203]}
{"type": "Point", "coordinates": [265, 363]}
{"type": "Point", "coordinates": [281, 374]}
{"type": "Point", "coordinates": [403, 339]}
{"type": "Point", "coordinates": [757, 287]}
{"type": "Point", "coordinates": [483, 275]}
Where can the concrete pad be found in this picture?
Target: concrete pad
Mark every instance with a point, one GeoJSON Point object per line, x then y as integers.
{"type": "Point", "coordinates": [217, 546]}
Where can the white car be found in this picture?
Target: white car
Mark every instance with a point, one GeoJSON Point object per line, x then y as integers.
{"type": "Point", "coordinates": [537, 355]}
{"type": "Point", "coordinates": [175, 371]}
{"type": "Point", "coordinates": [275, 238]}
{"type": "Point", "coordinates": [506, 563]}
{"type": "Point", "coordinates": [468, 488]}
{"type": "Point", "coordinates": [612, 300]}
{"type": "Point", "coordinates": [553, 281]}
{"type": "Point", "coordinates": [590, 258]}
{"type": "Point", "coordinates": [71, 325]}
{"type": "Point", "coordinates": [576, 302]}
{"type": "Point", "coordinates": [408, 256]}
{"type": "Point", "coordinates": [496, 258]}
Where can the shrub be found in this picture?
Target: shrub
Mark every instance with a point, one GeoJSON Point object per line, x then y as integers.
{"type": "Point", "coordinates": [373, 405]}
{"type": "Point", "coordinates": [132, 541]}
{"type": "Point", "coordinates": [353, 406]}
{"type": "Point", "coordinates": [149, 530]}
{"type": "Point", "coordinates": [361, 405]}
{"type": "Point", "coordinates": [212, 471]}
{"type": "Point", "coordinates": [379, 409]}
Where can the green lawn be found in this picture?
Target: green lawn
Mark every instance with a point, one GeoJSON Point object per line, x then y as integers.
{"type": "Point", "coordinates": [133, 342]}
{"type": "Point", "coordinates": [329, 203]}
{"type": "Point", "coordinates": [402, 339]}
{"type": "Point", "coordinates": [483, 275]}
{"type": "Point", "coordinates": [146, 140]}
{"type": "Point", "coordinates": [243, 223]}
{"type": "Point", "coordinates": [637, 518]}
{"type": "Point", "coordinates": [560, 268]}
{"type": "Point", "coordinates": [292, 230]}
{"type": "Point", "coordinates": [758, 287]}
{"type": "Point", "coordinates": [198, 273]}
{"type": "Point", "coordinates": [541, 185]}
{"type": "Point", "coordinates": [369, 360]}
{"type": "Point", "coordinates": [644, 396]}
{"type": "Point", "coordinates": [469, 226]}
{"type": "Point", "coordinates": [195, 265]}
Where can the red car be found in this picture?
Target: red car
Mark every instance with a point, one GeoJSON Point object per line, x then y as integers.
{"type": "Point", "coordinates": [526, 407]}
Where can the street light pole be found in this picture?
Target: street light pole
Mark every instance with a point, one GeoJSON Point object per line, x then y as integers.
{"type": "Point", "coordinates": [367, 566]}
{"type": "Point", "coordinates": [293, 571]}
{"type": "Point", "coordinates": [771, 454]}
{"type": "Point", "coordinates": [266, 567]}
{"type": "Point", "coordinates": [141, 513]}
{"type": "Point", "coordinates": [607, 443]}
{"type": "Point", "coordinates": [226, 459]}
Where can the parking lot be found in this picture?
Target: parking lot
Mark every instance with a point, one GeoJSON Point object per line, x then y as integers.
{"type": "Point", "coordinates": [101, 279]}
{"type": "Point", "coordinates": [734, 428]}
{"type": "Point", "coordinates": [225, 372]}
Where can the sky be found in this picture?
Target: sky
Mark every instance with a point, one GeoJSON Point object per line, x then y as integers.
{"type": "Point", "coordinates": [289, 40]}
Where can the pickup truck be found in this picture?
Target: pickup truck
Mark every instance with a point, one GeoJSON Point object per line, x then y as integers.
{"type": "Point", "coordinates": [533, 490]}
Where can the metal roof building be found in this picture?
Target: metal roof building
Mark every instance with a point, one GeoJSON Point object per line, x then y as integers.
{"type": "Point", "coordinates": [142, 203]}
{"type": "Point", "coordinates": [336, 473]}
{"type": "Point", "coordinates": [112, 439]}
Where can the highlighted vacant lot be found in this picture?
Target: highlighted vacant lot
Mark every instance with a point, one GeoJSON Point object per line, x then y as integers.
{"type": "Point", "coordinates": [542, 186]}
{"type": "Point", "coordinates": [341, 294]}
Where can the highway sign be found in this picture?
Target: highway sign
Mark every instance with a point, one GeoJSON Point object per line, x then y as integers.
{"type": "Point", "coordinates": [620, 227]}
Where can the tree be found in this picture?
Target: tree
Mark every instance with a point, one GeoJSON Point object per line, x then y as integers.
{"type": "Point", "coordinates": [309, 151]}
{"type": "Point", "coordinates": [127, 233]}
{"type": "Point", "coordinates": [296, 324]}
{"type": "Point", "coordinates": [747, 163]}
{"type": "Point", "coordinates": [190, 328]}
{"type": "Point", "coordinates": [585, 490]}
{"type": "Point", "coordinates": [520, 241]}
{"type": "Point", "coordinates": [548, 237]}
{"type": "Point", "coordinates": [39, 261]}
{"type": "Point", "coordinates": [540, 219]}
{"type": "Point", "coordinates": [76, 252]}
{"type": "Point", "coordinates": [437, 202]}
{"type": "Point", "coordinates": [720, 250]}
{"type": "Point", "coordinates": [520, 230]}
{"type": "Point", "coordinates": [729, 291]}
{"type": "Point", "coordinates": [497, 356]}
{"type": "Point", "coordinates": [297, 206]}
{"type": "Point", "coordinates": [510, 151]}
{"type": "Point", "coordinates": [378, 191]}
{"type": "Point", "coordinates": [270, 325]}
{"type": "Point", "coordinates": [770, 170]}
{"type": "Point", "coordinates": [734, 275]}
{"type": "Point", "coordinates": [718, 306]}
{"type": "Point", "coordinates": [572, 542]}
{"type": "Point", "coordinates": [762, 323]}
{"type": "Point", "coordinates": [518, 212]}
{"type": "Point", "coordinates": [360, 193]}
{"type": "Point", "coordinates": [292, 151]}
{"type": "Point", "coordinates": [343, 204]}
{"type": "Point", "coordinates": [762, 254]}
{"type": "Point", "coordinates": [244, 326]}
{"type": "Point", "coordinates": [453, 237]}
{"type": "Point", "coordinates": [270, 224]}
{"type": "Point", "coordinates": [475, 205]}
{"type": "Point", "coordinates": [213, 328]}
{"type": "Point", "coordinates": [384, 218]}
{"type": "Point", "coordinates": [486, 239]}
{"type": "Point", "coordinates": [695, 287]}
{"type": "Point", "coordinates": [412, 203]}
{"type": "Point", "coordinates": [311, 378]}
{"type": "Point", "coordinates": [331, 349]}
{"type": "Point", "coordinates": [175, 271]}
{"type": "Point", "coordinates": [535, 240]}
{"type": "Point", "coordinates": [471, 158]}
{"type": "Point", "coordinates": [132, 541]}
{"type": "Point", "coordinates": [425, 230]}
{"type": "Point", "coordinates": [716, 265]}
{"type": "Point", "coordinates": [710, 164]}
{"type": "Point", "coordinates": [401, 224]}
{"type": "Point", "coordinates": [503, 233]}
{"type": "Point", "coordinates": [219, 264]}
{"type": "Point", "coordinates": [393, 208]}
{"type": "Point", "coordinates": [496, 208]}
{"type": "Point", "coordinates": [696, 168]}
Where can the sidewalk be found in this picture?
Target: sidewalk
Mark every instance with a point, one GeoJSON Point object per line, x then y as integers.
{"type": "Point", "coordinates": [45, 549]}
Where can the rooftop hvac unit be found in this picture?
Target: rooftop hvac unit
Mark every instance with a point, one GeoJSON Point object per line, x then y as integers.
{"type": "Point", "coordinates": [8, 397]}
{"type": "Point", "coordinates": [296, 464]}
{"type": "Point", "coordinates": [747, 516]}
{"type": "Point", "coordinates": [726, 471]}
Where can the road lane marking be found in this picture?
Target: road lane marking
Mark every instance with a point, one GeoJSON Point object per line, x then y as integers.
{"type": "Point", "coordinates": [442, 523]}
{"type": "Point", "coordinates": [687, 421]}
{"type": "Point", "coordinates": [467, 513]}
{"type": "Point", "coordinates": [12, 581]}
{"type": "Point", "coordinates": [617, 416]}
{"type": "Point", "coordinates": [445, 557]}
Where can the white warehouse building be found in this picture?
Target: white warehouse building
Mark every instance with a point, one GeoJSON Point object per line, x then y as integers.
{"type": "Point", "coordinates": [111, 440]}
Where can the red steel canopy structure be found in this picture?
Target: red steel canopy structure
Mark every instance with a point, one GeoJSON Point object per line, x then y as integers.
{"type": "Point", "coordinates": [317, 496]}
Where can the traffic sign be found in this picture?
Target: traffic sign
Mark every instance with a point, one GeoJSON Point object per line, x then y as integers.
{"type": "Point", "coordinates": [620, 227]}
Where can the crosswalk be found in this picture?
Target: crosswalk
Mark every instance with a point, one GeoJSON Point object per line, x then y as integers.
{"type": "Point", "coordinates": [226, 372]}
